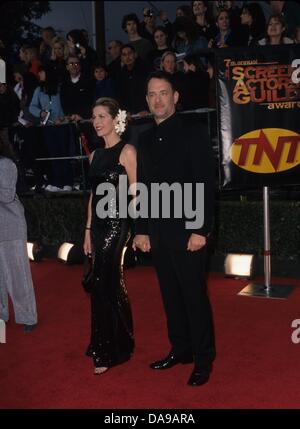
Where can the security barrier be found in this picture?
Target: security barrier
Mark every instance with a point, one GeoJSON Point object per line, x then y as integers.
{"type": "Point", "coordinates": [62, 150]}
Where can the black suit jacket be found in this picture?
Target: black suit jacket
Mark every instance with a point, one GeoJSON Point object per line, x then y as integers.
{"type": "Point", "coordinates": [176, 151]}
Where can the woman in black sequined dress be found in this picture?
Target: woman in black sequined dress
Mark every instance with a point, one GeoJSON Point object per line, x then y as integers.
{"type": "Point", "coordinates": [112, 339]}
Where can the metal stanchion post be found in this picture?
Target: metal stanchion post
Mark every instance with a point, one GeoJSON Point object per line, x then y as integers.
{"type": "Point", "coordinates": [267, 290]}
{"type": "Point", "coordinates": [82, 158]}
{"type": "Point", "coordinates": [82, 166]}
{"type": "Point", "coordinates": [208, 125]}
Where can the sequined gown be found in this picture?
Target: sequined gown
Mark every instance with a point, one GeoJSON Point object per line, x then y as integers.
{"type": "Point", "coordinates": [112, 339]}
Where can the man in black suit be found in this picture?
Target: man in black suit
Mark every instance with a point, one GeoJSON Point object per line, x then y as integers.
{"type": "Point", "coordinates": [176, 150]}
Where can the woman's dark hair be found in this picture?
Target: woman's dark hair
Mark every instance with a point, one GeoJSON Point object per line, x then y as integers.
{"type": "Point", "coordinates": [195, 60]}
{"type": "Point", "coordinates": [186, 10]}
{"type": "Point", "coordinates": [162, 29]}
{"type": "Point", "coordinates": [222, 10]}
{"type": "Point", "coordinates": [110, 103]}
{"type": "Point", "coordinates": [187, 25]}
{"type": "Point", "coordinates": [128, 46]}
{"type": "Point", "coordinates": [6, 149]}
{"type": "Point", "coordinates": [280, 18]}
{"type": "Point", "coordinates": [30, 82]}
{"type": "Point", "coordinates": [100, 66]}
{"type": "Point", "coordinates": [258, 25]}
{"type": "Point", "coordinates": [50, 86]}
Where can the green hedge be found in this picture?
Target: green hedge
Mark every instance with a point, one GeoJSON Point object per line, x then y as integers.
{"type": "Point", "coordinates": [54, 220]}
{"type": "Point", "coordinates": [238, 226]}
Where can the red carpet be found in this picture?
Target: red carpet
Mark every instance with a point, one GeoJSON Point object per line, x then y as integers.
{"type": "Point", "coordinates": [257, 364]}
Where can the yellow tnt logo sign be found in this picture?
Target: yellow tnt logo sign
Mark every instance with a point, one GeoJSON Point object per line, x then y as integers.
{"type": "Point", "coordinates": [268, 150]}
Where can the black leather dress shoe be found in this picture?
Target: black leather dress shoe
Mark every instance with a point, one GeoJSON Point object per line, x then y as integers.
{"type": "Point", "coordinates": [199, 376]}
{"type": "Point", "coordinates": [171, 360]}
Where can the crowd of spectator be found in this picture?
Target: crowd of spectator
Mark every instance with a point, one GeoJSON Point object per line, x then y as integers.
{"type": "Point", "coordinates": [57, 80]}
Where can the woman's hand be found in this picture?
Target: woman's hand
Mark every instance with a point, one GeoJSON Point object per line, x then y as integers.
{"type": "Point", "coordinates": [141, 242]}
{"type": "Point", "coordinates": [87, 245]}
{"type": "Point", "coordinates": [211, 43]}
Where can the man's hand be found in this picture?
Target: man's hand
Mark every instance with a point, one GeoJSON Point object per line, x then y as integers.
{"type": "Point", "coordinates": [196, 242]}
{"type": "Point", "coordinates": [141, 242]}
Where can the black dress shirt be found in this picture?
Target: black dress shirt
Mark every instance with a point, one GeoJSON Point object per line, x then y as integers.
{"type": "Point", "coordinates": [176, 151]}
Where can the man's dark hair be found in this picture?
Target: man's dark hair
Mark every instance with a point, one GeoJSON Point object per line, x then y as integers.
{"type": "Point", "coordinates": [160, 74]}
{"type": "Point", "coordinates": [72, 56]}
{"type": "Point", "coordinates": [128, 46]}
{"type": "Point", "coordinates": [118, 42]}
{"type": "Point", "coordinates": [99, 65]}
{"type": "Point", "coordinates": [130, 17]}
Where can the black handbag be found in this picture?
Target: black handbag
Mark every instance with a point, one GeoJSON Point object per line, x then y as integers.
{"type": "Point", "coordinates": [88, 274]}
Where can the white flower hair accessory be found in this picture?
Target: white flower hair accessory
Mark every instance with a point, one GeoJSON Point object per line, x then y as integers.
{"type": "Point", "coordinates": [121, 121]}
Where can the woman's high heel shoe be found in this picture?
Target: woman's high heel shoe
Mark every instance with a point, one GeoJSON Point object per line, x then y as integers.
{"type": "Point", "coordinates": [98, 370]}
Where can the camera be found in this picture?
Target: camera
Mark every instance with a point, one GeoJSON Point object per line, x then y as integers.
{"type": "Point", "coordinates": [45, 120]}
{"type": "Point", "coordinates": [76, 49]}
{"type": "Point", "coordinates": [149, 13]}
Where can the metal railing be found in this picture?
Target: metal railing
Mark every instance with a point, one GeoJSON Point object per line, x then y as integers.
{"type": "Point", "coordinates": [80, 154]}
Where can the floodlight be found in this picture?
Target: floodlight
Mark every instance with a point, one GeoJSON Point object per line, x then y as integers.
{"type": "Point", "coordinates": [34, 251]}
{"type": "Point", "coordinates": [239, 265]}
{"type": "Point", "coordinates": [70, 253]}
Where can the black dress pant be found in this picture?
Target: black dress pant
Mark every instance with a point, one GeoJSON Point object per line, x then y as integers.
{"type": "Point", "coordinates": [181, 276]}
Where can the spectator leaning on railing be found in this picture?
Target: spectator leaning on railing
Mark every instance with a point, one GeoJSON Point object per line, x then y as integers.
{"type": "Point", "coordinates": [46, 105]}
{"type": "Point", "coordinates": [276, 30]}
{"type": "Point", "coordinates": [76, 92]}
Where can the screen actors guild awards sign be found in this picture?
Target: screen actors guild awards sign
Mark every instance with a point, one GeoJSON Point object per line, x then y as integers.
{"type": "Point", "coordinates": [259, 105]}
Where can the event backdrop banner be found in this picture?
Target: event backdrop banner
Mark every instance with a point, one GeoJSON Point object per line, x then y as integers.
{"type": "Point", "coordinates": [259, 116]}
